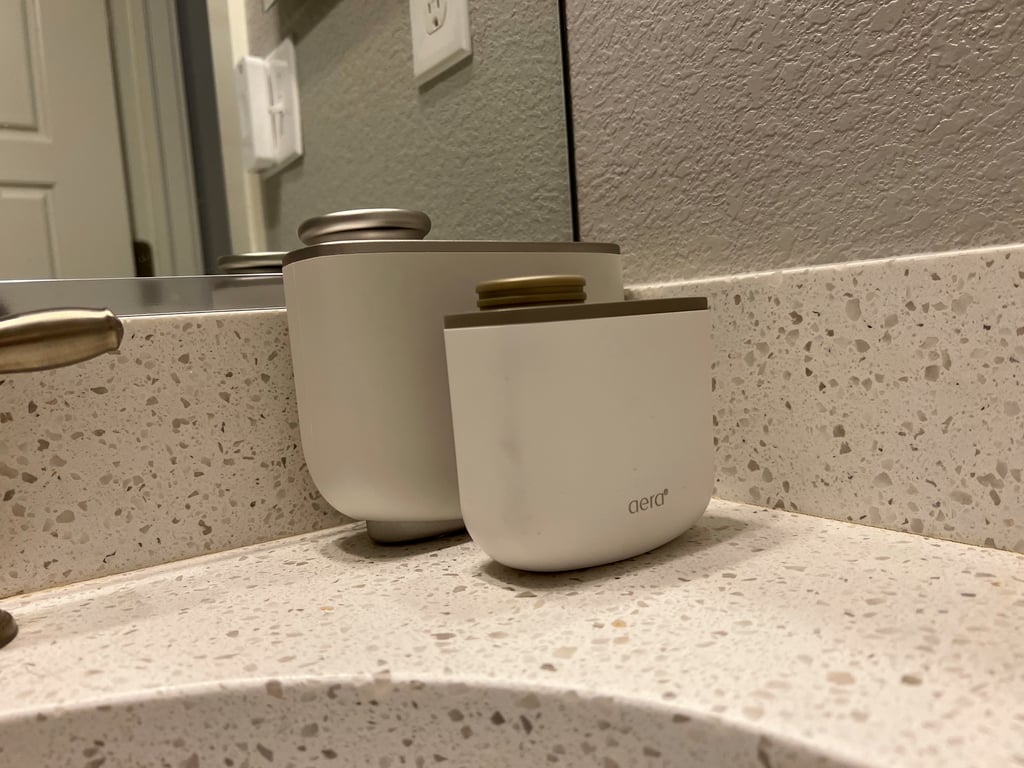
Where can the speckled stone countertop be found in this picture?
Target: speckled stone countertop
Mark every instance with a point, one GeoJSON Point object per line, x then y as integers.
{"type": "Point", "coordinates": [885, 392]}
{"type": "Point", "coordinates": [867, 646]}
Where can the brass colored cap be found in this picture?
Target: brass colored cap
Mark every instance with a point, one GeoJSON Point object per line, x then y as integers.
{"type": "Point", "coordinates": [530, 291]}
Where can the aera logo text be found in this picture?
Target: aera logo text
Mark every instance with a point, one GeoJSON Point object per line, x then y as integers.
{"type": "Point", "coordinates": [647, 502]}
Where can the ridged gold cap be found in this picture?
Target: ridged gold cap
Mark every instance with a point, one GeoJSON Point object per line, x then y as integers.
{"type": "Point", "coordinates": [530, 291]}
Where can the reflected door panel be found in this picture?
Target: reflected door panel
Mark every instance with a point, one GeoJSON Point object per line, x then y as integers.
{"type": "Point", "coordinates": [63, 204]}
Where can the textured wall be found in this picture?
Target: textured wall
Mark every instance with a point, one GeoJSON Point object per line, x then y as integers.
{"type": "Point", "coordinates": [483, 150]}
{"type": "Point", "coordinates": [750, 135]}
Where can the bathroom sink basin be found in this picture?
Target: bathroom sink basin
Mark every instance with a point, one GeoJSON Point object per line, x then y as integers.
{"type": "Point", "coordinates": [379, 722]}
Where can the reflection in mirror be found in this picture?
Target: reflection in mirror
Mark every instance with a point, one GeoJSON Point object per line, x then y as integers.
{"type": "Point", "coordinates": [121, 146]}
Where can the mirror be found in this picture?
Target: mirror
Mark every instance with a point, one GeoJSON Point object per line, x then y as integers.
{"type": "Point", "coordinates": [121, 146]}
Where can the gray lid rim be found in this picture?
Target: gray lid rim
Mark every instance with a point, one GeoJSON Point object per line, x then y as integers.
{"type": "Point", "coordinates": [559, 312]}
{"type": "Point", "coordinates": [356, 247]}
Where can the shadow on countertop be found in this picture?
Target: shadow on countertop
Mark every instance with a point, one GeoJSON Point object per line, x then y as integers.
{"type": "Point", "coordinates": [709, 547]}
{"type": "Point", "coordinates": [715, 545]}
{"type": "Point", "coordinates": [357, 543]}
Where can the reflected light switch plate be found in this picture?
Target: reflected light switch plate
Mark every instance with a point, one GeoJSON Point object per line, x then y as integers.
{"type": "Point", "coordinates": [285, 115]}
{"type": "Point", "coordinates": [268, 104]}
{"type": "Point", "coordinates": [440, 36]}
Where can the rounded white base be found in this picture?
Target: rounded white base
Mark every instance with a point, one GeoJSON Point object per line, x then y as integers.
{"type": "Point", "coordinates": [582, 442]}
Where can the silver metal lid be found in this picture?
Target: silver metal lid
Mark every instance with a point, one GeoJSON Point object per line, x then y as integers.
{"type": "Point", "coordinates": [365, 224]}
{"type": "Point", "coordinates": [257, 261]}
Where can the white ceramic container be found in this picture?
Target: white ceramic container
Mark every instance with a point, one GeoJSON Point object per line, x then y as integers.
{"type": "Point", "coordinates": [366, 326]}
{"type": "Point", "coordinates": [583, 433]}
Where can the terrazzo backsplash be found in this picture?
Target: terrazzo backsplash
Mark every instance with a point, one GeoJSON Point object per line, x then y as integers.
{"type": "Point", "coordinates": [183, 442]}
{"type": "Point", "coordinates": [889, 393]}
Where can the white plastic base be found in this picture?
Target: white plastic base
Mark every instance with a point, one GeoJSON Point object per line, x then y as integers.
{"type": "Point", "coordinates": [582, 442]}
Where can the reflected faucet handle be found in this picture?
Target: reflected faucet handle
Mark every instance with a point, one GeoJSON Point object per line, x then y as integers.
{"type": "Point", "coordinates": [52, 338]}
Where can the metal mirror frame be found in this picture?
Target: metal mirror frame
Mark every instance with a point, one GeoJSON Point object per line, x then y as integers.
{"type": "Point", "coordinates": [128, 296]}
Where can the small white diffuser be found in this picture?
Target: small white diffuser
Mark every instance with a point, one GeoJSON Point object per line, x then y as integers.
{"type": "Point", "coordinates": [582, 431]}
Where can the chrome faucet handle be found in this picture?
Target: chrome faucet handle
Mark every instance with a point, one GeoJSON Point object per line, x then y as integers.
{"type": "Point", "coordinates": [52, 338]}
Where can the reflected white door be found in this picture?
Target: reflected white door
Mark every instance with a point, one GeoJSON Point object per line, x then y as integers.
{"type": "Point", "coordinates": [63, 203]}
